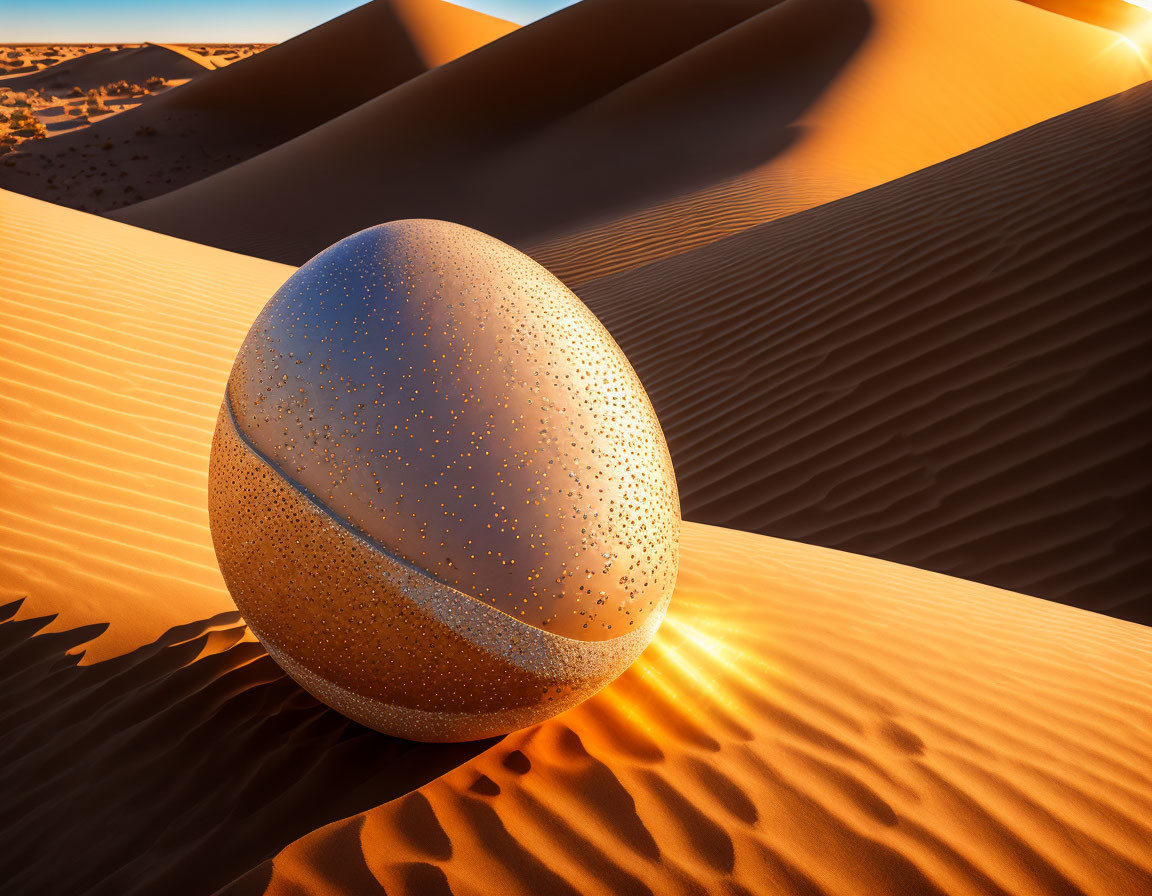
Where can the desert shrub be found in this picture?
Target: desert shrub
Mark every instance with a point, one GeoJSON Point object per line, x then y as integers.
{"type": "Point", "coordinates": [23, 123]}
{"type": "Point", "coordinates": [95, 103]}
{"type": "Point", "coordinates": [124, 88]}
{"type": "Point", "coordinates": [155, 82]}
{"type": "Point", "coordinates": [145, 131]}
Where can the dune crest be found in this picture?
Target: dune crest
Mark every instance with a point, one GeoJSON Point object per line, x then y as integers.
{"type": "Point", "coordinates": [751, 110]}
{"type": "Point", "coordinates": [442, 31]}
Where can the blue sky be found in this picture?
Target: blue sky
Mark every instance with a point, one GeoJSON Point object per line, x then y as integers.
{"type": "Point", "coordinates": [189, 21]}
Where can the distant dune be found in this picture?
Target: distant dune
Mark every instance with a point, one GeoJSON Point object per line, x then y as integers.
{"type": "Point", "coordinates": [251, 105]}
{"type": "Point", "coordinates": [106, 65]}
{"type": "Point", "coordinates": [805, 722]}
{"type": "Point", "coordinates": [617, 132]}
{"type": "Point", "coordinates": [334, 67]}
{"type": "Point", "coordinates": [953, 370]}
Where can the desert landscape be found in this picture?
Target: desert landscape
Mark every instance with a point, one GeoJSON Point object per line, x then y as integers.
{"type": "Point", "coordinates": [884, 271]}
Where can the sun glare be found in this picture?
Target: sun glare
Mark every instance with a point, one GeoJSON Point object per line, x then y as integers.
{"type": "Point", "coordinates": [1138, 39]}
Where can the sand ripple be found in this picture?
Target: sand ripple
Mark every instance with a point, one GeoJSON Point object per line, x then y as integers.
{"type": "Point", "coordinates": [806, 721]}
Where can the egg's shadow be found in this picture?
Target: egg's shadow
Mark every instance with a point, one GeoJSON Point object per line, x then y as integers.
{"type": "Point", "coordinates": [164, 771]}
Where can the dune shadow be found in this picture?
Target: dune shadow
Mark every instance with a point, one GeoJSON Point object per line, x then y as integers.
{"type": "Point", "coordinates": [718, 111]}
{"type": "Point", "coordinates": [177, 767]}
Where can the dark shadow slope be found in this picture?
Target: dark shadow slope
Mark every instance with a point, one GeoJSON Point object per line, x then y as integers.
{"type": "Point", "coordinates": [177, 767]}
{"type": "Point", "coordinates": [952, 371]}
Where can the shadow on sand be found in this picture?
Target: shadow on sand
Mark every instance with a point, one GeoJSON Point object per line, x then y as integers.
{"type": "Point", "coordinates": [177, 767]}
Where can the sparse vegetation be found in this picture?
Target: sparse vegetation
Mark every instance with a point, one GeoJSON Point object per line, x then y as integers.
{"type": "Point", "coordinates": [22, 123]}
{"type": "Point", "coordinates": [124, 88]}
{"type": "Point", "coordinates": [95, 103]}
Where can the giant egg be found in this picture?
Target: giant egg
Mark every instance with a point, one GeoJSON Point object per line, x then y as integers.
{"type": "Point", "coordinates": [438, 492]}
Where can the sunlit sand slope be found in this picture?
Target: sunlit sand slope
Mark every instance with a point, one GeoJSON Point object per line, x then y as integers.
{"type": "Point", "coordinates": [953, 370]}
{"type": "Point", "coordinates": [806, 721]}
{"type": "Point", "coordinates": [1009, 450]}
{"type": "Point", "coordinates": [114, 348]}
{"type": "Point", "coordinates": [620, 131]}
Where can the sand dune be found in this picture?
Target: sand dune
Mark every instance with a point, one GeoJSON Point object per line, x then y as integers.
{"type": "Point", "coordinates": [951, 370]}
{"type": "Point", "coordinates": [1012, 452]}
{"type": "Point", "coordinates": [20, 59]}
{"type": "Point", "coordinates": [106, 65]}
{"type": "Point", "coordinates": [251, 105]}
{"type": "Point", "coordinates": [942, 366]}
{"type": "Point", "coordinates": [114, 348]}
{"type": "Point", "coordinates": [338, 65]}
{"type": "Point", "coordinates": [750, 110]}
{"type": "Point", "coordinates": [806, 721]}
{"type": "Point", "coordinates": [1123, 16]}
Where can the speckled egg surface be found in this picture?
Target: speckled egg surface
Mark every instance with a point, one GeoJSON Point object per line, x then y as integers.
{"type": "Point", "coordinates": [438, 491]}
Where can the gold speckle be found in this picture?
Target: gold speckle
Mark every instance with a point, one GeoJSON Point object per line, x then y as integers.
{"type": "Point", "coordinates": [439, 493]}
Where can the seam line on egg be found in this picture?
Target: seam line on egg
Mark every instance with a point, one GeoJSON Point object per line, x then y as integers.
{"type": "Point", "coordinates": [377, 545]}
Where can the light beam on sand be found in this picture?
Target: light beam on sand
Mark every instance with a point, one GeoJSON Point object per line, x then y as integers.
{"type": "Point", "coordinates": [1135, 48]}
{"type": "Point", "coordinates": [1137, 39]}
{"type": "Point", "coordinates": [686, 663]}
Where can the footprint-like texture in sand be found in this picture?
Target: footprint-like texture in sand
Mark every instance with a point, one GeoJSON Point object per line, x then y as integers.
{"type": "Point", "coordinates": [806, 721]}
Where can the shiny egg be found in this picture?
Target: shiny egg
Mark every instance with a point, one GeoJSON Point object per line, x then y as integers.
{"type": "Point", "coordinates": [438, 491]}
